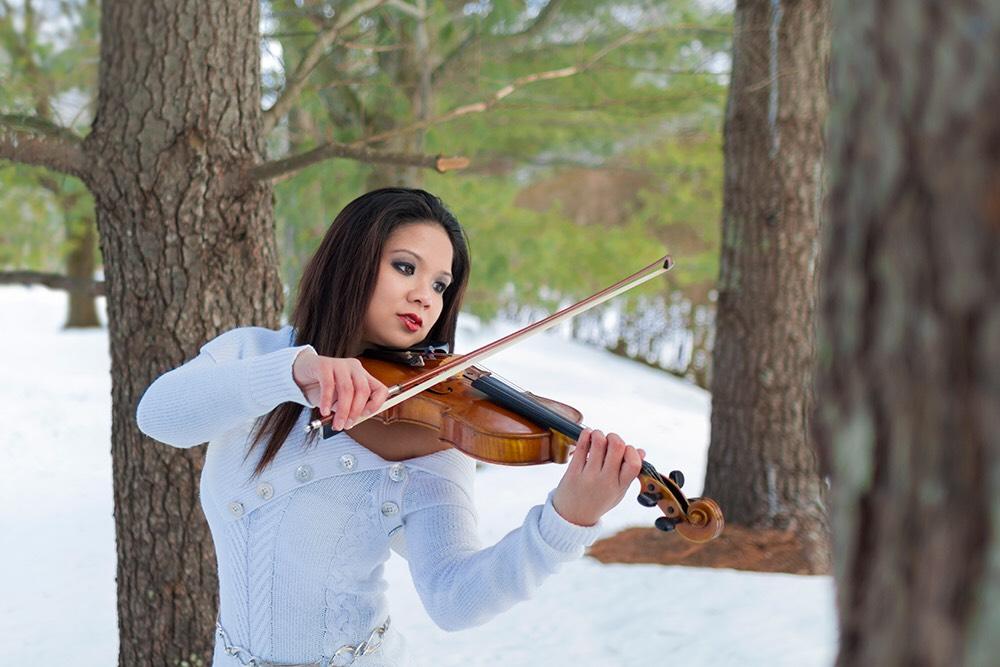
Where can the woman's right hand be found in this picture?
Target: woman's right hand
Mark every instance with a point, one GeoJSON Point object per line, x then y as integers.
{"type": "Point", "coordinates": [337, 385]}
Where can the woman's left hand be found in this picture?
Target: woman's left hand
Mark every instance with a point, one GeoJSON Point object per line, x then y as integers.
{"type": "Point", "coordinates": [599, 473]}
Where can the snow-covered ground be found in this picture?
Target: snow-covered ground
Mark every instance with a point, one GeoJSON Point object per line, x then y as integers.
{"type": "Point", "coordinates": [57, 570]}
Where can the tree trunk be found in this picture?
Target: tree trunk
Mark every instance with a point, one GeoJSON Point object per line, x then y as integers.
{"type": "Point", "coordinates": [910, 379]}
{"type": "Point", "coordinates": [82, 238]}
{"type": "Point", "coordinates": [185, 258]}
{"type": "Point", "coordinates": [762, 466]}
{"type": "Point", "coordinates": [408, 68]}
{"type": "Point", "coordinates": [80, 234]}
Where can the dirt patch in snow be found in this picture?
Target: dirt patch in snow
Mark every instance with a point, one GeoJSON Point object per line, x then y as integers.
{"type": "Point", "coordinates": [737, 548]}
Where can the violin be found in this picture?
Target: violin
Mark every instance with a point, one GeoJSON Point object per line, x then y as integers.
{"type": "Point", "coordinates": [485, 417]}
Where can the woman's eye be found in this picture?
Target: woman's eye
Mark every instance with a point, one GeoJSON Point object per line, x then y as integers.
{"type": "Point", "coordinates": [408, 269]}
{"type": "Point", "coordinates": [404, 267]}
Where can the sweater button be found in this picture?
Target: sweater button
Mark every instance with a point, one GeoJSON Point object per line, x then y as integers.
{"type": "Point", "coordinates": [303, 473]}
{"type": "Point", "coordinates": [236, 509]}
{"type": "Point", "coordinates": [389, 508]}
{"type": "Point", "coordinates": [265, 490]}
{"type": "Point", "coordinates": [347, 461]}
{"type": "Point", "coordinates": [397, 472]}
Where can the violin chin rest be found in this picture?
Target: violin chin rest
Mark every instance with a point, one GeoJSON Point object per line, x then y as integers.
{"type": "Point", "coordinates": [328, 431]}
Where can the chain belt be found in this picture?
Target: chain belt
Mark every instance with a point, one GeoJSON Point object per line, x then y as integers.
{"type": "Point", "coordinates": [345, 655]}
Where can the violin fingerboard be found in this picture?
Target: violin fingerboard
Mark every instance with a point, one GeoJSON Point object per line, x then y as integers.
{"type": "Point", "coordinates": [523, 404]}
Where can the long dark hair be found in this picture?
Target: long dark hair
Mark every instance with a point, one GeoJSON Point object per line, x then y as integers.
{"type": "Point", "coordinates": [339, 280]}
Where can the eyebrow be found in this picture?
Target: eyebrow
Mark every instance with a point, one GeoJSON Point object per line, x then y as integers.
{"type": "Point", "coordinates": [410, 252]}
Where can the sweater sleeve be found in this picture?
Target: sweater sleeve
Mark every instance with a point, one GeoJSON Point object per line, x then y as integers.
{"type": "Point", "coordinates": [462, 585]}
{"type": "Point", "coordinates": [216, 391]}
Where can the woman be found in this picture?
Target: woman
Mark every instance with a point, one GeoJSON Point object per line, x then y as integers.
{"type": "Point", "coordinates": [302, 531]}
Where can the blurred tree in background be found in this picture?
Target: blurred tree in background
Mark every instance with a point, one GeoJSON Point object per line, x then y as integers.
{"type": "Point", "coordinates": [48, 75]}
{"type": "Point", "coordinates": [763, 466]}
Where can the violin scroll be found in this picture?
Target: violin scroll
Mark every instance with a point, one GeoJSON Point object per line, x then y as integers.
{"type": "Point", "coordinates": [697, 520]}
{"type": "Point", "coordinates": [705, 521]}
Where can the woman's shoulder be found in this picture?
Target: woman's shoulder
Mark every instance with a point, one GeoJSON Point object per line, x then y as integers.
{"type": "Point", "coordinates": [243, 342]}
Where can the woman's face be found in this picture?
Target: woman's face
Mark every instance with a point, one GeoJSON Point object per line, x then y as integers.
{"type": "Point", "coordinates": [414, 271]}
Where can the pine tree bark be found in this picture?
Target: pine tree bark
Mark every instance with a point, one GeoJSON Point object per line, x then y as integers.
{"type": "Point", "coordinates": [762, 463]}
{"type": "Point", "coordinates": [186, 257]}
{"type": "Point", "coordinates": [910, 379]}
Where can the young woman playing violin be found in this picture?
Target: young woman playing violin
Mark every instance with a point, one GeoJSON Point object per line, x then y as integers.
{"type": "Point", "coordinates": [303, 528]}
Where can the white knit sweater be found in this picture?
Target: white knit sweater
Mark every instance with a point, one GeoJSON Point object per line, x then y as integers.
{"type": "Point", "coordinates": [300, 550]}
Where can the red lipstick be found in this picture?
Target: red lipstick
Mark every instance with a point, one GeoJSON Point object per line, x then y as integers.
{"type": "Point", "coordinates": [411, 321]}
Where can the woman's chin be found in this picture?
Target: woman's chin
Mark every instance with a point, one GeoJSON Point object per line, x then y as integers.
{"type": "Point", "coordinates": [402, 341]}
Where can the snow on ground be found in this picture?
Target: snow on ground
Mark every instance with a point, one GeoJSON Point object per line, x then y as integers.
{"type": "Point", "coordinates": [57, 572]}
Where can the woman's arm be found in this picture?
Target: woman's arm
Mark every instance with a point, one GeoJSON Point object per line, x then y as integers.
{"type": "Point", "coordinates": [219, 389]}
{"type": "Point", "coordinates": [463, 585]}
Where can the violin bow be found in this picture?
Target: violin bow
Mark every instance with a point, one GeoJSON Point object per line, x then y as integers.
{"type": "Point", "coordinates": [400, 392]}
{"type": "Point", "coordinates": [696, 520]}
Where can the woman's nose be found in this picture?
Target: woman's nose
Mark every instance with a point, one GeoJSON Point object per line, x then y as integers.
{"type": "Point", "coordinates": [421, 296]}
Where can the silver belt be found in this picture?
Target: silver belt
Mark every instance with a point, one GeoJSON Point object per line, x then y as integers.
{"type": "Point", "coordinates": [345, 655]}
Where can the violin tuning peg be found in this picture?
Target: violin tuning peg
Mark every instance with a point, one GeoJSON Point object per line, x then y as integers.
{"type": "Point", "coordinates": [665, 524]}
{"type": "Point", "coordinates": [677, 477]}
{"type": "Point", "coordinates": [646, 500]}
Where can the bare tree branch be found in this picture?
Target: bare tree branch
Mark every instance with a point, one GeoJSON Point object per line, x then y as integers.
{"type": "Point", "coordinates": [642, 103]}
{"type": "Point", "coordinates": [36, 141]}
{"type": "Point", "coordinates": [38, 125]}
{"type": "Point", "coordinates": [497, 97]}
{"type": "Point", "coordinates": [296, 83]}
{"type": "Point", "coordinates": [512, 41]}
{"type": "Point", "coordinates": [360, 150]}
{"type": "Point", "coordinates": [346, 41]}
{"type": "Point", "coordinates": [590, 40]}
{"type": "Point", "coordinates": [52, 281]}
{"type": "Point", "coordinates": [278, 170]}
{"type": "Point", "coordinates": [415, 12]}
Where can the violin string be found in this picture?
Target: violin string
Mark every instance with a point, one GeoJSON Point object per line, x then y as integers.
{"type": "Point", "coordinates": [509, 383]}
{"type": "Point", "coordinates": [646, 466]}
{"type": "Point", "coordinates": [514, 385]}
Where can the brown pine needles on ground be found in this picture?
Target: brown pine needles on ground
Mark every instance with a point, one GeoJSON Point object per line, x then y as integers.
{"type": "Point", "coordinates": [737, 548]}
